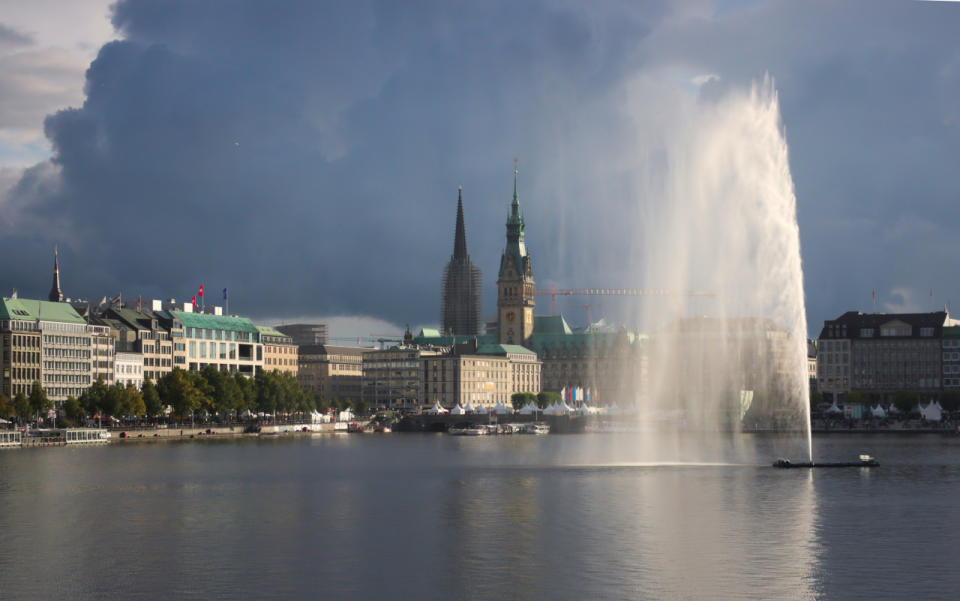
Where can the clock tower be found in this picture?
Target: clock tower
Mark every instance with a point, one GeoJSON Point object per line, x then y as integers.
{"type": "Point", "coordinates": [515, 299]}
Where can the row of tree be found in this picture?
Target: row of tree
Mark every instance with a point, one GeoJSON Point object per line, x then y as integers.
{"type": "Point", "coordinates": [26, 406]}
{"type": "Point", "coordinates": [542, 400]}
{"type": "Point", "coordinates": [209, 392]}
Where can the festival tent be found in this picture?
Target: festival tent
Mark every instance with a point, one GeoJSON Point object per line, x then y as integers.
{"type": "Point", "coordinates": [480, 410]}
{"type": "Point", "coordinates": [437, 409]}
{"type": "Point", "coordinates": [833, 408]}
{"type": "Point", "coordinates": [3, 421]}
{"type": "Point", "coordinates": [613, 409]}
{"type": "Point", "coordinates": [566, 408]}
{"type": "Point", "coordinates": [345, 415]}
{"type": "Point", "coordinates": [468, 408]}
{"type": "Point", "coordinates": [933, 412]}
{"type": "Point", "coordinates": [458, 410]}
{"type": "Point", "coordinates": [501, 409]}
{"type": "Point", "coordinates": [878, 412]}
{"type": "Point", "coordinates": [557, 409]}
{"type": "Point", "coordinates": [529, 409]}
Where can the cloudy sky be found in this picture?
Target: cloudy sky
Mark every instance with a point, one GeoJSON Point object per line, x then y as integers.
{"type": "Point", "coordinates": [306, 155]}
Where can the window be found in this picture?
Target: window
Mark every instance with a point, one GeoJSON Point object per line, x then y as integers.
{"type": "Point", "coordinates": [927, 332]}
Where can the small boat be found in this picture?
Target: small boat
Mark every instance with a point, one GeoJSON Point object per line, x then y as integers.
{"type": "Point", "coordinates": [468, 430]}
{"type": "Point", "coordinates": [865, 461]}
{"type": "Point", "coordinates": [537, 429]}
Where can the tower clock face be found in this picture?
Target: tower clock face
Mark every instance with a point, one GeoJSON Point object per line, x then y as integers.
{"type": "Point", "coordinates": [511, 316]}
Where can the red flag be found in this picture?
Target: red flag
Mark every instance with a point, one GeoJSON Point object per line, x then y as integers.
{"type": "Point", "coordinates": [194, 301]}
{"type": "Point", "coordinates": [200, 294]}
{"type": "Point", "coordinates": [138, 303]}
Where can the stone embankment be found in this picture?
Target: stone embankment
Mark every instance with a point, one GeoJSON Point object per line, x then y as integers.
{"type": "Point", "coordinates": [172, 433]}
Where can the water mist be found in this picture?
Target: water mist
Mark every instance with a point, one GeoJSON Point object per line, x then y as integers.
{"type": "Point", "coordinates": [721, 218]}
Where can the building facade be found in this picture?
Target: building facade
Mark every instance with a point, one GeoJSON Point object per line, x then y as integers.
{"type": "Point", "coordinates": [951, 358]}
{"type": "Point", "coordinates": [48, 342]}
{"type": "Point", "coordinates": [479, 375]}
{"type": "Point", "coordinates": [334, 373]}
{"type": "Point", "coordinates": [230, 344]}
{"type": "Point", "coordinates": [305, 334]}
{"type": "Point", "coordinates": [279, 351]}
{"type": "Point", "coordinates": [461, 284]}
{"type": "Point", "coordinates": [392, 377]}
{"type": "Point", "coordinates": [128, 369]}
{"type": "Point", "coordinates": [881, 354]}
{"type": "Point", "coordinates": [141, 332]}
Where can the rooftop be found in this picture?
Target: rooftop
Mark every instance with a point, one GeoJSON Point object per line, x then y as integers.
{"type": "Point", "coordinates": [38, 310]}
{"type": "Point", "coordinates": [215, 322]}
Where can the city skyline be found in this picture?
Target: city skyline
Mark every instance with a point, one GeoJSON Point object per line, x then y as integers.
{"type": "Point", "coordinates": [209, 149]}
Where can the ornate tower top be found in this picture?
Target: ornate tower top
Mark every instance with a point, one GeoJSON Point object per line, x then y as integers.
{"type": "Point", "coordinates": [56, 295]}
{"type": "Point", "coordinates": [460, 238]}
{"type": "Point", "coordinates": [516, 249]}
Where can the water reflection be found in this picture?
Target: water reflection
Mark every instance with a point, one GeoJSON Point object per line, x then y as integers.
{"type": "Point", "coordinates": [559, 517]}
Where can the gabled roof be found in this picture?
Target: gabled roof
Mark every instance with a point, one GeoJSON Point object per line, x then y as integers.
{"type": "Point", "coordinates": [38, 310]}
{"type": "Point", "coordinates": [550, 324]}
{"type": "Point", "coordinates": [215, 322]}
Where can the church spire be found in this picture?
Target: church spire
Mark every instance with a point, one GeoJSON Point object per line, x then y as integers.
{"type": "Point", "coordinates": [460, 239]}
{"type": "Point", "coordinates": [56, 295]}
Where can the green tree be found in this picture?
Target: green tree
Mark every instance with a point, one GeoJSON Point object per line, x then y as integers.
{"type": "Point", "coordinates": [6, 406]}
{"type": "Point", "coordinates": [248, 392]}
{"type": "Point", "coordinates": [151, 399]}
{"type": "Point", "coordinates": [547, 398]}
{"type": "Point", "coordinates": [904, 400]}
{"type": "Point", "coordinates": [40, 405]}
{"type": "Point", "coordinates": [359, 407]}
{"type": "Point", "coordinates": [132, 401]}
{"type": "Point", "coordinates": [92, 398]}
{"type": "Point", "coordinates": [73, 411]}
{"type": "Point", "coordinates": [180, 393]}
{"type": "Point", "coordinates": [21, 406]}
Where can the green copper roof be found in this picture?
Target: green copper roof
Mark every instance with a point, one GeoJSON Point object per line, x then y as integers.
{"type": "Point", "coordinates": [550, 324]}
{"type": "Point", "coordinates": [431, 336]}
{"type": "Point", "coordinates": [951, 331]}
{"type": "Point", "coordinates": [215, 322]}
{"type": "Point", "coordinates": [268, 331]}
{"type": "Point", "coordinates": [38, 310]}
{"type": "Point", "coordinates": [503, 349]}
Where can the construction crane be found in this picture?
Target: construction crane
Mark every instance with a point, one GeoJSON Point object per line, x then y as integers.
{"type": "Point", "coordinates": [554, 292]}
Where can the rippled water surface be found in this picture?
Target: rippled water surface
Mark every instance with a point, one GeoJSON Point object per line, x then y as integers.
{"type": "Point", "coordinates": [440, 517]}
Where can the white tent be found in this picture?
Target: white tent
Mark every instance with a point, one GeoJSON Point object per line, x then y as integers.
{"type": "Point", "coordinates": [458, 410]}
{"type": "Point", "coordinates": [557, 409]}
{"type": "Point", "coordinates": [834, 409]}
{"type": "Point", "coordinates": [501, 409]}
{"type": "Point", "coordinates": [480, 410]}
{"type": "Point", "coordinates": [933, 412]}
{"type": "Point", "coordinates": [878, 412]}
{"type": "Point", "coordinates": [345, 415]}
{"type": "Point", "coordinates": [529, 409]}
{"type": "Point", "coordinates": [3, 421]}
{"type": "Point", "coordinates": [613, 409]}
{"type": "Point", "coordinates": [566, 408]}
{"type": "Point", "coordinates": [437, 409]}
{"type": "Point", "coordinates": [468, 408]}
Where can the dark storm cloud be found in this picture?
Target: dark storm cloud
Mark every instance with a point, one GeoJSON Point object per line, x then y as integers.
{"type": "Point", "coordinates": [306, 155]}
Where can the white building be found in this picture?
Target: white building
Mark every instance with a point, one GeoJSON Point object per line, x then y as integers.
{"type": "Point", "coordinates": [128, 369]}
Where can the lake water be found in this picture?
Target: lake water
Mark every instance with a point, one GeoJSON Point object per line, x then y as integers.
{"type": "Point", "coordinates": [441, 517]}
